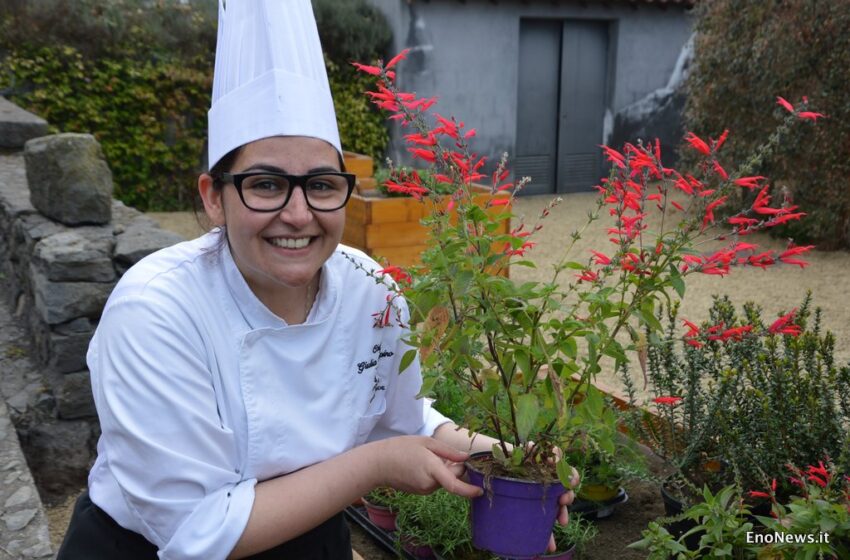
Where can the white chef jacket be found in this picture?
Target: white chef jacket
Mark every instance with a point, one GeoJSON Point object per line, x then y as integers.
{"type": "Point", "coordinates": [202, 391]}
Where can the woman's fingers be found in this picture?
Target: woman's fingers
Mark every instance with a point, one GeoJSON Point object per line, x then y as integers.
{"type": "Point", "coordinates": [448, 480]}
{"type": "Point", "coordinates": [567, 498]}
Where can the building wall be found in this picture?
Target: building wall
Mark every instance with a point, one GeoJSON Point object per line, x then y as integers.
{"type": "Point", "coordinates": [466, 52]}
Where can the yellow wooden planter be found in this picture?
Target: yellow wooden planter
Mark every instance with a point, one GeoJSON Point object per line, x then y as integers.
{"type": "Point", "coordinates": [390, 227]}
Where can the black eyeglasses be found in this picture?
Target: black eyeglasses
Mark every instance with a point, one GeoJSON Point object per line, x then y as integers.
{"type": "Point", "coordinates": [267, 191]}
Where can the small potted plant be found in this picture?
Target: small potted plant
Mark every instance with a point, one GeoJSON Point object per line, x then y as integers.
{"type": "Point", "coordinates": [382, 506]}
{"type": "Point", "coordinates": [572, 538]}
{"type": "Point", "coordinates": [524, 353]}
{"type": "Point", "coordinates": [433, 523]}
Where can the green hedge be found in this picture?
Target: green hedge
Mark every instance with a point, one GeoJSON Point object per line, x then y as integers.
{"type": "Point", "coordinates": [138, 76]}
{"type": "Point", "coordinates": [749, 52]}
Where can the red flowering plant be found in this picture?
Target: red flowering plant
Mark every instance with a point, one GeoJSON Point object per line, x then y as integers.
{"type": "Point", "coordinates": [523, 354]}
{"type": "Point", "coordinates": [741, 397]}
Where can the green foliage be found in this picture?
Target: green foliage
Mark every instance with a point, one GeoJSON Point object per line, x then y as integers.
{"type": "Point", "coordinates": [814, 523]}
{"type": "Point", "coordinates": [439, 520]}
{"type": "Point", "coordinates": [361, 127]}
{"type": "Point", "coordinates": [754, 405]}
{"type": "Point", "coordinates": [138, 75]}
{"type": "Point", "coordinates": [719, 519]}
{"type": "Point", "coordinates": [351, 30]}
{"type": "Point", "coordinates": [748, 53]}
{"type": "Point", "coordinates": [579, 532]}
{"type": "Point", "coordinates": [149, 116]}
{"type": "Point", "coordinates": [115, 29]}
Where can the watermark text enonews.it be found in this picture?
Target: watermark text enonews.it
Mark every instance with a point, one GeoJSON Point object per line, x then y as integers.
{"type": "Point", "coordinates": [786, 538]}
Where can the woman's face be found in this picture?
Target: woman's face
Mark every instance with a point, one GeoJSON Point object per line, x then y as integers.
{"type": "Point", "coordinates": [257, 239]}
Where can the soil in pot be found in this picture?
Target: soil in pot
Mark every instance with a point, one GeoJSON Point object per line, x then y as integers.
{"type": "Point", "coordinates": [514, 517]}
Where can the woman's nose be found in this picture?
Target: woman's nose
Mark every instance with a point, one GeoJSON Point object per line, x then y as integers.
{"type": "Point", "coordinates": [297, 212]}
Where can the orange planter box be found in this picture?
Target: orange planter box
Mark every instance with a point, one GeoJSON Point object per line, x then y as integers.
{"type": "Point", "coordinates": [390, 227]}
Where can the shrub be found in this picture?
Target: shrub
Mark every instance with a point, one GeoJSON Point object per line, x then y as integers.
{"type": "Point", "coordinates": [749, 52]}
{"type": "Point", "coordinates": [351, 30]}
{"type": "Point", "coordinates": [150, 117]}
{"type": "Point", "coordinates": [751, 404]}
{"type": "Point", "coordinates": [138, 75]}
{"type": "Point", "coordinates": [361, 127]}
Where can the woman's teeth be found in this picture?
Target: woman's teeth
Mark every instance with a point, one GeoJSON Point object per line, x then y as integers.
{"type": "Point", "coordinates": [289, 243]}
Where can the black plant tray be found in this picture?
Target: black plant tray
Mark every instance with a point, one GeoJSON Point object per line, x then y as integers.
{"type": "Point", "coordinates": [387, 539]}
{"type": "Point", "coordinates": [598, 510]}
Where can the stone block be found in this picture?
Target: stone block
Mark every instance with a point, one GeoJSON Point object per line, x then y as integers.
{"type": "Point", "coordinates": [74, 397]}
{"type": "Point", "coordinates": [32, 228]}
{"type": "Point", "coordinates": [67, 347]}
{"type": "Point", "coordinates": [17, 125]}
{"type": "Point", "coordinates": [60, 302]}
{"type": "Point", "coordinates": [60, 454]}
{"type": "Point", "coordinates": [73, 256]}
{"type": "Point", "coordinates": [69, 179]}
{"type": "Point", "coordinates": [14, 192]}
{"type": "Point", "coordinates": [139, 240]}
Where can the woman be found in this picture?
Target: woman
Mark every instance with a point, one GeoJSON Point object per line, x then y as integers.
{"type": "Point", "coordinates": [245, 398]}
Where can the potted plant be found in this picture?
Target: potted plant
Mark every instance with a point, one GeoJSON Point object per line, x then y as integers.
{"type": "Point", "coordinates": [433, 523]}
{"type": "Point", "coordinates": [382, 506]}
{"type": "Point", "coordinates": [522, 353]}
{"type": "Point", "coordinates": [572, 538]}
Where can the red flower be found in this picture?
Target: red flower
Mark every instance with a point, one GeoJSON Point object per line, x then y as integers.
{"type": "Point", "coordinates": [784, 103]}
{"type": "Point", "coordinates": [667, 401]}
{"type": "Point", "coordinates": [757, 494]}
{"type": "Point", "coordinates": [698, 143]}
{"type": "Point", "coordinates": [748, 182]}
{"type": "Point", "coordinates": [394, 60]}
{"type": "Point", "coordinates": [373, 70]}
{"type": "Point", "coordinates": [783, 325]}
{"type": "Point", "coordinates": [587, 276]}
{"type": "Point", "coordinates": [499, 201]}
{"type": "Point", "coordinates": [397, 274]}
{"type": "Point", "coordinates": [786, 255]}
{"type": "Point", "coordinates": [427, 155]}
{"type": "Point", "coordinates": [720, 171]}
{"type": "Point", "coordinates": [810, 115]}
{"type": "Point", "coordinates": [601, 258]}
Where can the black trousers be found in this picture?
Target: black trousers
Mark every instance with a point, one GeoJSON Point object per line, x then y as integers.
{"type": "Point", "coordinates": [94, 535]}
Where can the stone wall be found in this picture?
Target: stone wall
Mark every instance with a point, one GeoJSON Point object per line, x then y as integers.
{"type": "Point", "coordinates": [64, 242]}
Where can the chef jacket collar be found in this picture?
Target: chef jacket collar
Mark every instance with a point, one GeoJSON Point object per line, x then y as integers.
{"type": "Point", "coordinates": [256, 314]}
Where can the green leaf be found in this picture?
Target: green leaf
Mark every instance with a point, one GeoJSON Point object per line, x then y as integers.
{"type": "Point", "coordinates": [527, 411]}
{"type": "Point", "coordinates": [565, 472]}
{"type": "Point", "coordinates": [406, 360]}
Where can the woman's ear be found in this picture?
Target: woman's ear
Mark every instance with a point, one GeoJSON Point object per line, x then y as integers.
{"type": "Point", "coordinates": [212, 198]}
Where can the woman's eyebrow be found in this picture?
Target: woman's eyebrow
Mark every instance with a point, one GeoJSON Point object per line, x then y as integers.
{"type": "Point", "coordinates": [276, 169]}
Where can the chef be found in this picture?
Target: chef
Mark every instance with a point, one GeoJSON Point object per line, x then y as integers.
{"type": "Point", "coordinates": [244, 394]}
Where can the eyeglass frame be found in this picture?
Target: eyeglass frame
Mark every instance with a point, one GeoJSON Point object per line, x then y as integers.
{"type": "Point", "coordinates": [294, 181]}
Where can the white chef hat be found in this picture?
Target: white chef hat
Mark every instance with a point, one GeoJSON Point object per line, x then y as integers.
{"type": "Point", "coordinates": [270, 77]}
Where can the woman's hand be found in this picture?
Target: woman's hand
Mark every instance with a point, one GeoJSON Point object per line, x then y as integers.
{"type": "Point", "coordinates": [420, 465]}
{"type": "Point", "coordinates": [565, 500]}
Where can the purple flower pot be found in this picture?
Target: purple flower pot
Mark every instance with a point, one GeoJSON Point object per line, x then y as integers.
{"type": "Point", "coordinates": [514, 517]}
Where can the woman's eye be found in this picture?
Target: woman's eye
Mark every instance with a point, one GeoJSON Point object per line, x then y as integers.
{"type": "Point", "coordinates": [320, 186]}
{"type": "Point", "coordinates": [265, 185]}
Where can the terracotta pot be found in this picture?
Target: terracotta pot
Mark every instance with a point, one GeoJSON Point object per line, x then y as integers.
{"type": "Point", "coordinates": [381, 516]}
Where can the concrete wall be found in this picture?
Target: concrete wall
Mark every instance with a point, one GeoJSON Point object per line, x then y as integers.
{"type": "Point", "coordinates": [466, 52]}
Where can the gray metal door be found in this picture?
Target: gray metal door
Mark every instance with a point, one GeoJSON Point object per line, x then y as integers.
{"type": "Point", "coordinates": [584, 56]}
{"type": "Point", "coordinates": [537, 129]}
{"type": "Point", "coordinates": [561, 104]}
